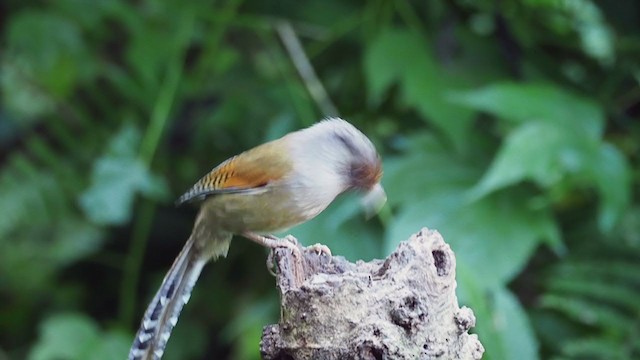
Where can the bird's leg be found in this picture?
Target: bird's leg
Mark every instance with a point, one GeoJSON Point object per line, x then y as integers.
{"type": "Point", "coordinates": [273, 242]}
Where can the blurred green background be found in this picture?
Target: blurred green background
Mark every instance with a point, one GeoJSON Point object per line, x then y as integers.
{"type": "Point", "coordinates": [509, 126]}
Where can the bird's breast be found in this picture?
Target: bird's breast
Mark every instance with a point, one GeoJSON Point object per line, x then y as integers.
{"type": "Point", "coordinates": [272, 209]}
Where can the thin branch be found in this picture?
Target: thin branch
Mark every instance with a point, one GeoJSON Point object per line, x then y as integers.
{"type": "Point", "coordinates": [305, 69]}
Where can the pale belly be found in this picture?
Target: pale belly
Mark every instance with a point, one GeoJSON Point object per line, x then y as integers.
{"type": "Point", "coordinates": [266, 212]}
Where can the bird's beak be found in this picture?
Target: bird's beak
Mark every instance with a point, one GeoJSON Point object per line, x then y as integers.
{"type": "Point", "coordinates": [373, 200]}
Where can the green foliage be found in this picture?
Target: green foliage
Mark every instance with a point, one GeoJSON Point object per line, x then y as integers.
{"type": "Point", "coordinates": [47, 47]}
{"type": "Point", "coordinates": [595, 292]}
{"type": "Point", "coordinates": [556, 144]}
{"type": "Point", "coordinates": [521, 103]}
{"type": "Point", "coordinates": [116, 178]}
{"type": "Point", "coordinates": [74, 336]}
{"type": "Point", "coordinates": [510, 127]}
{"type": "Point", "coordinates": [40, 231]}
{"type": "Point", "coordinates": [483, 270]}
{"type": "Point", "coordinates": [423, 83]}
{"type": "Point", "coordinates": [508, 331]}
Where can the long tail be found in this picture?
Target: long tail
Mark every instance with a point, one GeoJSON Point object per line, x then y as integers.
{"type": "Point", "coordinates": [163, 311]}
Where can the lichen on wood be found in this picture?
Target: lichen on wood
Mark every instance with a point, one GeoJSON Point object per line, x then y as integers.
{"type": "Point", "coordinates": [403, 307]}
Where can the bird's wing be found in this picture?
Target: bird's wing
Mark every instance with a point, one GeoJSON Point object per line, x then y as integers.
{"type": "Point", "coordinates": [248, 172]}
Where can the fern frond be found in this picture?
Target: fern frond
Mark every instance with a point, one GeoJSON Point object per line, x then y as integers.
{"type": "Point", "coordinates": [585, 311]}
{"type": "Point", "coordinates": [617, 294]}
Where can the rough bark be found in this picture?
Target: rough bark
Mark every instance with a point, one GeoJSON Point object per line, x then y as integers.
{"type": "Point", "coordinates": [403, 307]}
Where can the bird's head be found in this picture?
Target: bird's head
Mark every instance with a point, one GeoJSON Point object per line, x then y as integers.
{"type": "Point", "coordinates": [352, 157]}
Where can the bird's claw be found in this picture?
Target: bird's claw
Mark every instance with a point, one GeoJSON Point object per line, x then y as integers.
{"type": "Point", "coordinates": [291, 239]}
{"type": "Point", "coordinates": [320, 249]}
{"type": "Point", "coordinates": [271, 264]}
{"type": "Point", "coordinates": [289, 242]}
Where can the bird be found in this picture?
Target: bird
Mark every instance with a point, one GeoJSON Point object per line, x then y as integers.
{"type": "Point", "coordinates": [267, 189]}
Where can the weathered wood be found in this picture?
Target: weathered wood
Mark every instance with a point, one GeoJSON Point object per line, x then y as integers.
{"type": "Point", "coordinates": [403, 307]}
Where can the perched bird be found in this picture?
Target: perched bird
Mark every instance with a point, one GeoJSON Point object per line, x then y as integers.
{"type": "Point", "coordinates": [269, 188]}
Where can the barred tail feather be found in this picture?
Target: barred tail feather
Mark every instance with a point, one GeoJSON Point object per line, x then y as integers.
{"type": "Point", "coordinates": [163, 311]}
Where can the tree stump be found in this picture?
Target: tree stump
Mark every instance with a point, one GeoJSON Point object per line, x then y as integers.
{"type": "Point", "coordinates": [403, 307]}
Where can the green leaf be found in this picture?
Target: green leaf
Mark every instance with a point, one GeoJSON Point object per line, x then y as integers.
{"type": "Point", "coordinates": [116, 179]}
{"type": "Point", "coordinates": [511, 321]}
{"type": "Point", "coordinates": [51, 50]}
{"type": "Point", "coordinates": [539, 151]}
{"type": "Point", "coordinates": [404, 57]}
{"type": "Point", "coordinates": [66, 336]}
{"type": "Point", "coordinates": [40, 231]}
{"type": "Point", "coordinates": [547, 103]}
{"type": "Point", "coordinates": [502, 325]}
{"type": "Point", "coordinates": [427, 168]}
{"type": "Point", "coordinates": [75, 336]}
{"type": "Point", "coordinates": [610, 171]}
{"type": "Point", "coordinates": [552, 330]}
{"type": "Point", "coordinates": [478, 232]}
{"type": "Point", "coordinates": [112, 344]}
{"type": "Point", "coordinates": [74, 240]}
{"type": "Point", "coordinates": [343, 219]}
{"type": "Point", "coordinates": [621, 270]}
{"type": "Point", "coordinates": [21, 96]}
{"type": "Point", "coordinates": [595, 348]}
{"type": "Point", "coordinates": [246, 328]}
{"type": "Point", "coordinates": [155, 39]}
{"type": "Point", "coordinates": [587, 20]}
{"type": "Point", "coordinates": [607, 291]}
{"type": "Point", "coordinates": [31, 258]}
{"type": "Point", "coordinates": [587, 311]}
{"type": "Point", "coordinates": [430, 185]}
{"type": "Point", "coordinates": [549, 154]}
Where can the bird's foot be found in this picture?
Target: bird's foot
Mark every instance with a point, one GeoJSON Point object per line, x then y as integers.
{"type": "Point", "coordinates": [292, 239]}
{"type": "Point", "coordinates": [273, 242]}
{"type": "Point", "coordinates": [321, 249]}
